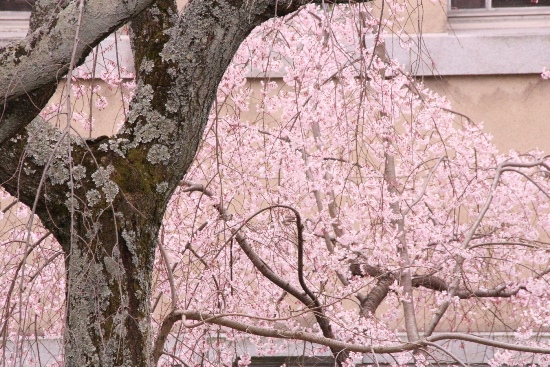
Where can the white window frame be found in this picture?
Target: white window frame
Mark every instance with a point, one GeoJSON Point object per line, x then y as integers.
{"type": "Point", "coordinates": [13, 26]}
{"type": "Point", "coordinates": [506, 13]}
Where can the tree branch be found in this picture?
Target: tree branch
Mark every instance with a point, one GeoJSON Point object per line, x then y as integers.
{"type": "Point", "coordinates": [43, 57]}
{"type": "Point", "coordinates": [386, 279]}
{"type": "Point", "coordinates": [434, 345]}
{"type": "Point", "coordinates": [377, 294]}
{"type": "Point", "coordinates": [35, 61]}
{"type": "Point", "coordinates": [308, 298]}
{"type": "Point", "coordinates": [351, 347]}
{"type": "Point", "coordinates": [164, 331]}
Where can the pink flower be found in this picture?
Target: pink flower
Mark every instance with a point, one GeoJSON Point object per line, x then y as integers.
{"type": "Point", "coordinates": [101, 103]}
{"type": "Point", "coordinates": [245, 360]}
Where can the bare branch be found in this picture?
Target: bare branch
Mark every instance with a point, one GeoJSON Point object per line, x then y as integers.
{"type": "Point", "coordinates": [446, 352]}
{"type": "Point", "coordinates": [165, 328]}
{"type": "Point", "coordinates": [506, 243]}
{"type": "Point", "coordinates": [294, 335]}
{"type": "Point", "coordinates": [251, 254]}
{"type": "Point", "coordinates": [10, 205]}
{"type": "Point", "coordinates": [173, 292]}
{"type": "Point", "coordinates": [337, 344]}
{"type": "Point", "coordinates": [308, 298]}
{"type": "Point", "coordinates": [487, 342]}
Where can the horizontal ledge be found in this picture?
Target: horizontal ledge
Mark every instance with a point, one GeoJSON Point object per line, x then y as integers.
{"type": "Point", "coordinates": [468, 48]}
{"type": "Point", "coordinates": [499, 12]}
{"type": "Point", "coordinates": [474, 52]}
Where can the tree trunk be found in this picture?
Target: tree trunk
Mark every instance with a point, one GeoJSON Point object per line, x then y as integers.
{"type": "Point", "coordinates": [109, 289]}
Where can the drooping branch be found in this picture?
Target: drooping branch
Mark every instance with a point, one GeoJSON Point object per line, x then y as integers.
{"type": "Point", "coordinates": [165, 329]}
{"type": "Point", "coordinates": [454, 286]}
{"type": "Point", "coordinates": [6, 309]}
{"type": "Point", "coordinates": [307, 297]}
{"type": "Point", "coordinates": [429, 282]}
{"type": "Point", "coordinates": [449, 353]}
{"type": "Point", "coordinates": [351, 347]}
{"type": "Point", "coordinates": [254, 258]}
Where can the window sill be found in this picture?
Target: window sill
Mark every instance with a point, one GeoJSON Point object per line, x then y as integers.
{"type": "Point", "coordinates": [475, 52]}
{"type": "Point", "coordinates": [13, 26]}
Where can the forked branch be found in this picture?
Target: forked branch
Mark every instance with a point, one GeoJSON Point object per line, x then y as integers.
{"type": "Point", "coordinates": [307, 297]}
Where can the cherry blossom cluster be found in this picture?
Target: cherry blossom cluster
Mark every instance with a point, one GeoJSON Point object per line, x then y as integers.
{"type": "Point", "coordinates": [354, 144]}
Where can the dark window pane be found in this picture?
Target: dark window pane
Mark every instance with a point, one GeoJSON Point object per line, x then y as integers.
{"type": "Point", "coordinates": [16, 5]}
{"type": "Point", "coordinates": [468, 4]}
{"type": "Point", "coordinates": [292, 361]}
{"type": "Point", "coordinates": [519, 3]}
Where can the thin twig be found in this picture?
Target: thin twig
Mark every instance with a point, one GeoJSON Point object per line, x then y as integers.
{"type": "Point", "coordinates": [446, 352]}
{"type": "Point", "coordinates": [10, 205]}
{"type": "Point", "coordinates": [173, 292]}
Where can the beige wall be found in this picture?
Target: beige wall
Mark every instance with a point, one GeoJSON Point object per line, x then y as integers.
{"type": "Point", "coordinates": [106, 121]}
{"type": "Point", "coordinates": [514, 108]}
{"type": "Point", "coordinates": [421, 17]}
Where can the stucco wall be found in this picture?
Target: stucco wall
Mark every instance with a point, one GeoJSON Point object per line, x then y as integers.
{"type": "Point", "coordinates": [514, 108]}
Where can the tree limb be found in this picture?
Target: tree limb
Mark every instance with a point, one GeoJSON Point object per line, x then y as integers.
{"type": "Point", "coordinates": [165, 328]}
{"type": "Point", "coordinates": [307, 297]}
{"type": "Point", "coordinates": [386, 279]}
{"type": "Point", "coordinates": [35, 61]}
{"type": "Point", "coordinates": [376, 295]}
{"type": "Point", "coordinates": [359, 348]}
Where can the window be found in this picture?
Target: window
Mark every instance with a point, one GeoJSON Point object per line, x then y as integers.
{"type": "Point", "coordinates": [495, 4]}
{"type": "Point", "coordinates": [14, 19]}
{"type": "Point", "coordinates": [16, 5]}
{"type": "Point", "coordinates": [499, 14]}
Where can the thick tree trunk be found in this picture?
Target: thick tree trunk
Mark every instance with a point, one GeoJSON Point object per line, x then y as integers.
{"type": "Point", "coordinates": [109, 245]}
{"type": "Point", "coordinates": [109, 289]}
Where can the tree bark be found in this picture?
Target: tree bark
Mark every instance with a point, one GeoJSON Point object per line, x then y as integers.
{"type": "Point", "coordinates": [44, 55]}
